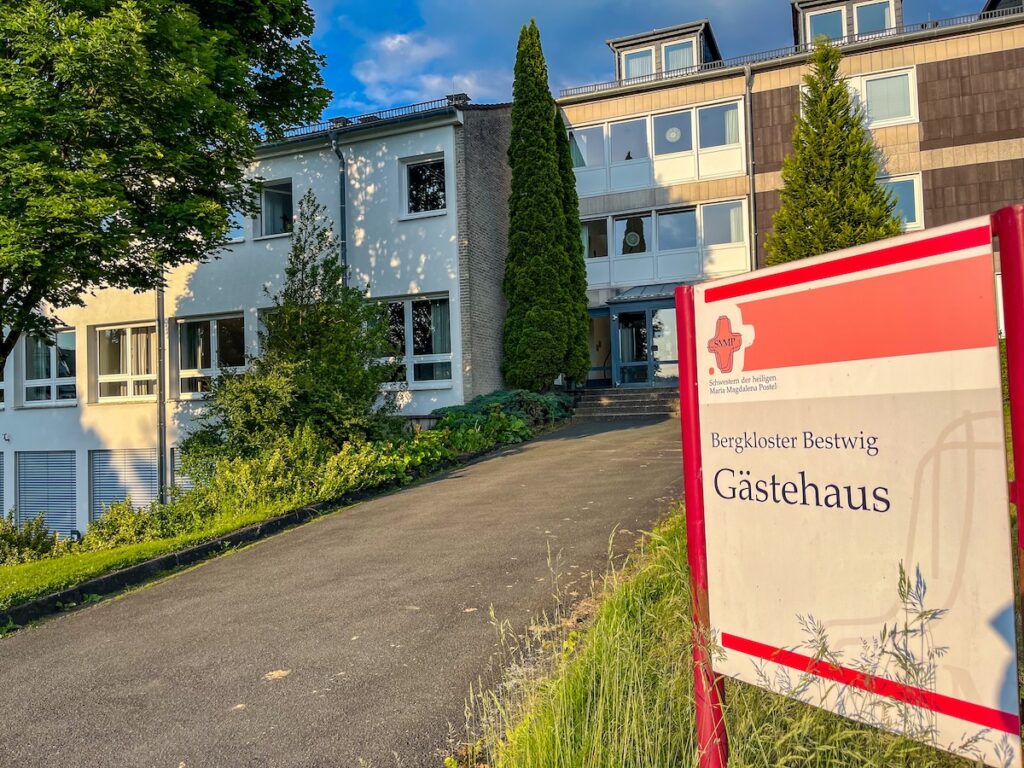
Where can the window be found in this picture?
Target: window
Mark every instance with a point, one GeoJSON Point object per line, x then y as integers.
{"type": "Point", "coordinates": [50, 369]}
{"type": "Point", "coordinates": [425, 186]}
{"type": "Point", "coordinates": [587, 147]}
{"type": "Point", "coordinates": [677, 230]}
{"type": "Point", "coordinates": [236, 227]}
{"type": "Point", "coordinates": [719, 125]}
{"type": "Point", "coordinates": [633, 234]}
{"type": "Point", "coordinates": [118, 475]}
{"type": "Point", "coordinates": [206, 347]}
{"type": "Point", "coordinates": [126, 362]}
{"type": "Point", "coordinates": [673, 133]}
{"type": "Point", "coordinates": [595, 238]}
{"type": "Point", "coordinates": [45, 485]}
{"type": "Point", "coordinates": [677, 56]}
{"type": "Point", "coordinates": [872, 18]}
{"type": "Point", "coordinates": [427, 322]}
{"type": "Point", "coordinates": [276, 208]}
{"type": "Point", "coordinates": [637, 64]}
{"type": "Point", "coordinates": [888, 98]}
{"type": "Point", "coordinates": [905, 192]}
{"type": "Point", "coordinates": [723, 223]}
{"type": "Point", "coordinates": [830, 24]}
{"type": "Point", "coordinates": [629, 141]}
{"type": "Point", "coordinates": [3, 388]}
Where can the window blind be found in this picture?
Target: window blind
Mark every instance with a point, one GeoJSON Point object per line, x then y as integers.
{"type": "Point", "coordinates": [46, 484]}
{"type": "Point", "coordinates": [121, 474]}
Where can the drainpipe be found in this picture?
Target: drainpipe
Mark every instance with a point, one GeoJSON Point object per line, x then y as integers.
{"type": "Point", "coordinates": [748, 105]}
{"type": "Point", "coordinates": [342, 226]}
{"type": "Point", "coordinates": [161, 396]}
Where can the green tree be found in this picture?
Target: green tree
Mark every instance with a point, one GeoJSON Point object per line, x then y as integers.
{"type": "Point", "coordinates": [323, 348]}
{"type": "Point", "coordinates": [577, 358]}
{"type": "Point", "coordinates": [537, 323]}
{"type": "Point", "coordinates": [831, 197]}
{"type": "Point", "coordinates": [125, 127]}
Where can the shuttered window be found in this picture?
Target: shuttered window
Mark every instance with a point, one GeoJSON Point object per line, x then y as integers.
{"type": "Point", "coordinates": [183, 481]}
{"type": "Point", "coordinates": [118, 475]}
{"type": "Point", "coordinates": [46, 484]}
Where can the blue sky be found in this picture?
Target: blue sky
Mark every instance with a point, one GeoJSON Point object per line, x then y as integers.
{"type": "Point", "coordinates": [386, 52]}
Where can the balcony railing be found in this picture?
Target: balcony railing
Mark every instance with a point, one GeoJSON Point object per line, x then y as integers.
{"type": "Point", "coordinates": [336, 123]}
{"type": "Point", "coordinates": [793, 50]}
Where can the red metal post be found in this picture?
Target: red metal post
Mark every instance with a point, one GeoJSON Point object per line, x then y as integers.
{"type": "Point", "coordinates": [708, 688]}
{"type": "Point", "coordinates": [1008, 224]}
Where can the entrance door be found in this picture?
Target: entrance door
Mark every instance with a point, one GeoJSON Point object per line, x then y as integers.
{"type": "Point", "coordinates": [645, 346]}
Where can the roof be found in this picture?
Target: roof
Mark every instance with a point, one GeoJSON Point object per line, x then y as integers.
{"type": "Point", "coordinates": [998, 5]}
{"type": "Point", "coordinates": [654, 35]}
{"type": "Point", "coordinates": [646, 293]}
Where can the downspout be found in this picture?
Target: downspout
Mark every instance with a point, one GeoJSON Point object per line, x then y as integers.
{"type": "Point", "coordinates": [342, 225]}
{"type": "Point", "coordinates": [748, 105]}
{"type": "Point", "coordinates": [161, 396]}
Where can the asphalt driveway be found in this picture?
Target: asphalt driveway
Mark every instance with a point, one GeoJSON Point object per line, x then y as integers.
{"type": "Point", "coordinates": [349, 641]}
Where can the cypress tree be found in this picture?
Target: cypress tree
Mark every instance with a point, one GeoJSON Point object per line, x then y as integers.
{"type": "Point", "coordinates": [577, 357]}
{"type": "Point", "coordinates": [831, 198]}
{"type": "Point", "coordinates": [536, 327]}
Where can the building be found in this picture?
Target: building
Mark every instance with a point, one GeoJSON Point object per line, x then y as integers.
{"type": "Point", "coordinates": [418, 194]}
{"type": "Point", "coordinates": [678, 159]}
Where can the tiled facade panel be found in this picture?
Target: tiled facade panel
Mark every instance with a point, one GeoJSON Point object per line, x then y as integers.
{"type": "Point", "coordinates": [768, 202]}
{"type": "Point", "coordinates": [972, 99]}
{"type": "Point", "coordinates": [774, 115]}
{"type": "Point", "coordinates": [484, 182]}
{"type": "Point", "coordinates": [957, 193]}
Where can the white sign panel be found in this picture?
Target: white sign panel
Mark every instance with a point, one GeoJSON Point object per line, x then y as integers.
{"type": "Point", "coordinates": [854, 476]}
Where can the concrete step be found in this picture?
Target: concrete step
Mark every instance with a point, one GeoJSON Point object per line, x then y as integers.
{"type": "Point", "coordinates": [651, 408]}
{"type": "Point", "coordinates": [617, 416]}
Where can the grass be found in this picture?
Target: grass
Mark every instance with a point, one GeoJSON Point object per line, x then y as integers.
{"type": "Point", "coordinates": [27, 581]}
{"type": "Point", "coordinates": [620, 694]}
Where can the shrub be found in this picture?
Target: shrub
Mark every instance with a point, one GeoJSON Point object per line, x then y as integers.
{"type": "Point", "coordinates": [29, 541]}
{"type": "Point", "coordinates": [533, 409]}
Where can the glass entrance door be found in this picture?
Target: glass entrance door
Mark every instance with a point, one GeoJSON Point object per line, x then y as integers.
{"type": "Point", "coordinates": [646, 352]}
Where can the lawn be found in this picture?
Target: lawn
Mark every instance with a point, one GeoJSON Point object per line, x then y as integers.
{"type": "Point", "coordinates": [619, 694]}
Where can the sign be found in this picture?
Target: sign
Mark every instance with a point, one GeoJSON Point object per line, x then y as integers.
{"type": "Point", "coordinates": [853, 473]}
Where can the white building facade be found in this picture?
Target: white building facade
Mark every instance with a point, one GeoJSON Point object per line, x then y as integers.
{"type": "Point", "coordinates": [97, 416]}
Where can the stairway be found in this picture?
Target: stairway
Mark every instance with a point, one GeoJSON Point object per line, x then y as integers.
{"type": "Point", "coordinates": [627, 404]}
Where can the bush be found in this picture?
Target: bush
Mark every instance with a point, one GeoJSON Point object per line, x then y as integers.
{"type": "Point", "coordinates": [533, 409]}
{"type": "Point", "coordinates": [30, 541]}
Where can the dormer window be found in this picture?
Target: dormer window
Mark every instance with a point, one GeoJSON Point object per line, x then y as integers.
{"type": "Point", "coordinates": [677, 56]}
{"type": "Point", "coordinates": [872, 18]}
{"type": "Point", "coordinates": [830, 24]}
{"type": "Point", "coordinates": [638, 63]}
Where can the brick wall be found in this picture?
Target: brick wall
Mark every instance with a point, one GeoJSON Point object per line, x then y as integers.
{"type": "Point", "coordinates": [774, 115]}
{"type": "Point", "coordinates": [966, 191]}
{"type": "Point", "coordinates": [972, 99]}
{"type": "Point", "coordinates": [483, 181]}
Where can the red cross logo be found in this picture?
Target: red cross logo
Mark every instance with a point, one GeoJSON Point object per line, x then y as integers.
{"type": "Point", "coordinates": [724, 344]}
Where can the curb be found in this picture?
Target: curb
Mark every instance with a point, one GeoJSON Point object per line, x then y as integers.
{"type": "Point", "coordinates": [57, 602]}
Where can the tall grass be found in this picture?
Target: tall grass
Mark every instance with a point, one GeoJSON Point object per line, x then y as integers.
{"type": "Point", "coordinates": [620, 694]}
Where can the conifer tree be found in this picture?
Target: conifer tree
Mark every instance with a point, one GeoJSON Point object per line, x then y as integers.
{"type": "Point", "coordinates": [536, 326]}
{"type": "Point", "coordinates": [577, 358]}
{"type": "Point", "coordinates": [831, 198]}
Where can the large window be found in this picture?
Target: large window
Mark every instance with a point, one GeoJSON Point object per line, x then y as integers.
{"type": "Point", "coordinates": [587, 147]}
{"type": "Point", "coordinates": [595, 238]}
{"type": "Point", "coordinates": [629, 141]}
{"type": "Point", "coordinates": [126, 362]}
{"type": "Point", "coordinates": [830, 24]}
{"type": "Point", "coordinates": [906, 191]}
{"type": "Point", "coordinates": [888, 98]}
{"type": "Point", "coordinates": [677, 230]}
{"type": "Point", "coordinates": [425, 190]}
{"type": "Point", "coordinates": [633, 234]}
{"type": "Point", "coordinates": [207, 346]}
{"type": "Point", "coordinates": [276, 209]}
{"type": "Point", "coordinates": [50, 369]}
{"type": "Point", "coordinates": [872, 18]}
{"type": "Point", "coordinates": [637, 64]}
{"type": "Point", "coordinates": [673, 133]}
{"type": "Point", "coordinates": [426, 323]}
{"type": "Point", "coordinates": [719, 125]}
{"type": "Point", "coordinates": [676, 56]}
{"type": "Point", "coordinates": [723, 223]}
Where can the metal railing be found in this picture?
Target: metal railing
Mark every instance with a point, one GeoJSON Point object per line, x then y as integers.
{"type": "Point", "coordinates": [793, 50]}
{"type": "Point", "coordinates": [335, 123]}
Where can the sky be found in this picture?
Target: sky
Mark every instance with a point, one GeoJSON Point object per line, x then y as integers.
{"type": "Point", "coordinates": [383, 53]}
